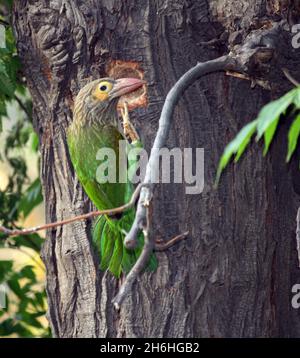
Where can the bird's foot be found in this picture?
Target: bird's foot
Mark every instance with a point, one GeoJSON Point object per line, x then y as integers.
{"type": "Point", "coordinates": [129, 130]}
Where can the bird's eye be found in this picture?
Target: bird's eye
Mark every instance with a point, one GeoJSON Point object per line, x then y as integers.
{"type": "Point", "coordinates": [102, 90]}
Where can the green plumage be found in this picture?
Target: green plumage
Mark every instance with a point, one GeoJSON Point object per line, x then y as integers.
{"type": "Point", "coordinates": [94, 127]}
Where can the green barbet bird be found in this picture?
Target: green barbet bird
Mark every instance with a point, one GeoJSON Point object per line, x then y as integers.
{"type": "Point", "coordinates": [95, 126]}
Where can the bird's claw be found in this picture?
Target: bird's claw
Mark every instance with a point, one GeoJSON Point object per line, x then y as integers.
{"type": "Point", "coordinates": [129, 130]}
{"type": "Point", "coordinates": [125, 113]}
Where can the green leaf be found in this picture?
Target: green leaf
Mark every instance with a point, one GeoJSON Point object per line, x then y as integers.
{"type": "Point", "coordinates": [33, 241]}
{"type": "Point", "coordinates": [12, 68]}
{"type": "Point", "coordinates": [237, 146]}
{"type": "Point", "coordinates": [247, 134]}
{"type": "Point", "coordinates": [30, 319]}
{"type": "Point", "coordinates": [2, 108]}
{"type": "Point", "coordinates": [23, 304]}
{"type": "Point", "coordinates": [27, 271]}
{"type": "Point", "coordinates": [272, 111]}
{"type": "Point", "coordinates": [14, 285]}
{"type": "Point", "coordinates": [293, 137]}
{"type": "Point", "coordinates": [6, 85]}
{"type": "Point", "coordinates": [7, 327]}
{"type": "Point", "coordinates": [34, 142]}
{"type": "Point", "coordinates": [40, 299]}
{"type": "Point", "coordinates": [269, 135]}
{"type": "Point", "coordinates": [32, 198]}
{"type": "Point", "coordinates": [297, 98]}
{"type": "Point", "coordinates": [2, 67]}
{"type": "Point", "coordinates": [5, 269]}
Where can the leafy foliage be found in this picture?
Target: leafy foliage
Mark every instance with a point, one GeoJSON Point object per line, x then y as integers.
{"type": "Point", "coordinates": [25, 299]}
{"type": "Point", "coordinates": [24, 293]}
{"type": "Point", "coordinates": [265, 126]}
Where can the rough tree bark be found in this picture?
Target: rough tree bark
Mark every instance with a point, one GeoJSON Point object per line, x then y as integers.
{"type": "Point", "coordinates": [233, 276]}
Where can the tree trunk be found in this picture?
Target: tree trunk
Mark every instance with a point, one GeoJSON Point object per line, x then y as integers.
{"type": "Point", "coordinates": [233, 276]}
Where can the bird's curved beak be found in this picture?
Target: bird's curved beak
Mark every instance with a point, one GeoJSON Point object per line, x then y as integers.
{"type": "Point", "coordinates": [125, 85]}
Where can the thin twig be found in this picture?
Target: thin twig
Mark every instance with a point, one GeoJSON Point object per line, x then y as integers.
{"type": "Point", "coordinates": [298, 235]}
{"type": "Point", "coordinates": [290, 77]}
{"type": "Point", "coordinates": [121, 209]}
{"type": "Point", "coordinates": [5, 23]}
{"type": "Point", "coordinates": [23, 107]}
{"type": "Point", "coordinates": [264, 84]}
{"type": "Point", "coordinates": [166, 245]}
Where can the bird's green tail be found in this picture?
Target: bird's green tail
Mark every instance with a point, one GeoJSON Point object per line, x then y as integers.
{"type": "Point", "coordinates": [108, 237]}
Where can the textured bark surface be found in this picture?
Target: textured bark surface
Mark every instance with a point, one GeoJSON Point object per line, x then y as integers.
{"type": "Point", "coordinates": [233, 276]}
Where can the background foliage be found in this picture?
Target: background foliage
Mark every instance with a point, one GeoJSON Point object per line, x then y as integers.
{"type": "Point", "coordinates": [265, 127]}
{"type": "Point", "coordinates": [25, 295]}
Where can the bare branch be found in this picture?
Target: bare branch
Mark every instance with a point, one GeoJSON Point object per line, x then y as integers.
{"type": "Point", "coordinates": [220, 64]}
{"type": "Point", "coordinates": [139, 265]}
{"type": "Point", "coordinates": [121, 209]}
{"type": "Point", "coordinates": [142, 219]}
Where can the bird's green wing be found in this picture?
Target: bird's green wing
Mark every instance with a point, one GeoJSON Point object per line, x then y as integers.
{"type": "Point", "coordinates": [84, 151]}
